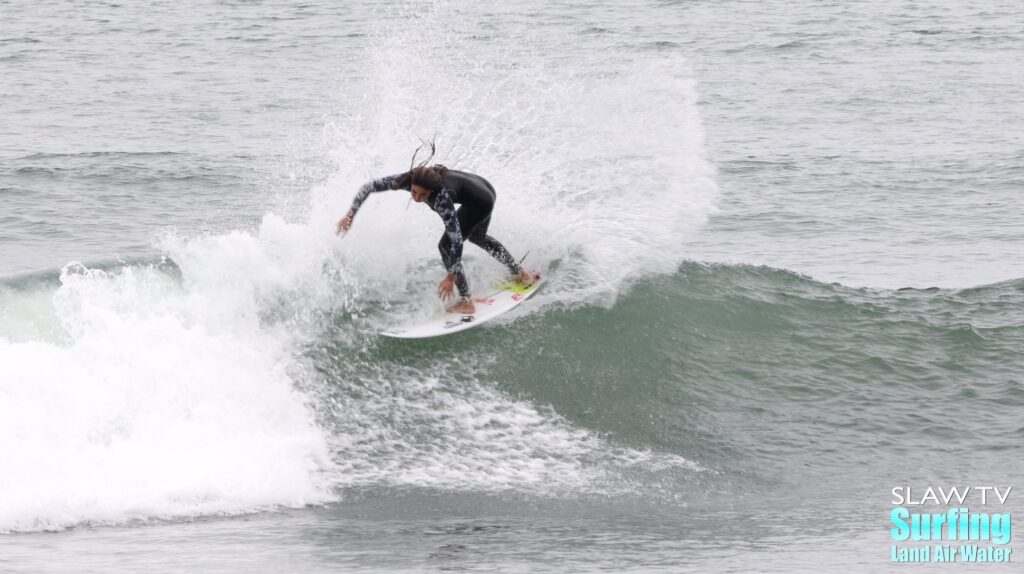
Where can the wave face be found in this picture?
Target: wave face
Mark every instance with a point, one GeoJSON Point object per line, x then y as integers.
{"type": "Point", "coordinates": [712, 375]}
{"type": "Point", "coordinates": [845, 378]}
{"type": "Point", "coordinates": [158, 390]}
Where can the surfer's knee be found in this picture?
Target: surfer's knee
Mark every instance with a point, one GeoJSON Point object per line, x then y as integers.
{"type": "Point", "coordinates": [479, 239]}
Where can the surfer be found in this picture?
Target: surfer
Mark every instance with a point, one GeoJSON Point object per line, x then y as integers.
{"type": "Point", "coordinates": [441, 188]}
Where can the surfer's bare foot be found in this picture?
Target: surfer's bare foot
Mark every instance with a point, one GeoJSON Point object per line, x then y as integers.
{"type": "Point", "coordinates": [527, 277]}
{"type": "Point", "coordinates": [463, 306]}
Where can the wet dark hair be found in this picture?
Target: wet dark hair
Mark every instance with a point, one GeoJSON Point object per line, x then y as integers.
{"type": "Point", "coordinates": [421, 175]}
{"type": "Point", "coordinates": [428, 177]}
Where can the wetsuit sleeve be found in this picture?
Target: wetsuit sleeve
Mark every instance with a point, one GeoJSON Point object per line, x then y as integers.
{"type": "Point", "coordinates": [380, 184]}
{"type": "Point", "coordinates": [445, 207]}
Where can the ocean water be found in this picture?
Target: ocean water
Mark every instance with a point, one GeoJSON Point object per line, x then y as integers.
{"type": "Point", "coordinates": [783, 243]}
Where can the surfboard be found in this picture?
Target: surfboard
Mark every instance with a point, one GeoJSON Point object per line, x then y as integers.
{"type": "Point", "coordinates": [501, 299]}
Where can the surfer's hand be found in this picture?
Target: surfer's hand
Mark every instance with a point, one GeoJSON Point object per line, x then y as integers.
{"type": "Point", "coordinates": [446, 289]}
{"type": "Point", "coordinates": [345, 223]}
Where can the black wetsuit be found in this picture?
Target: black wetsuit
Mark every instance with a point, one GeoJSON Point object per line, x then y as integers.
{"type": "Point", "coordinates": [476, 198]}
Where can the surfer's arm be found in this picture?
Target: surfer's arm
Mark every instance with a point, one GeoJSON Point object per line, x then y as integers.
{"type": "Point", "coordinates": [379, 184]}
{"type": "Point", "coordinates": [445, 207]}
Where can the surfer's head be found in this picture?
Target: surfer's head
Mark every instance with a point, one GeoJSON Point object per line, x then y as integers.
{"type": "Point", "coordinates": [420, 194]}
{"type": "Point", "coordinates": [422, 181]}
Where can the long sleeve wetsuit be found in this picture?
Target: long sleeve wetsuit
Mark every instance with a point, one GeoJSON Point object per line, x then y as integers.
{"type": "Point", "coordinates": [476, 197]}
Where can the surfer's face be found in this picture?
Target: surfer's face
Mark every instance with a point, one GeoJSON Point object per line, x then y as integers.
{"type": "Point", "coordinates": [420, 194]}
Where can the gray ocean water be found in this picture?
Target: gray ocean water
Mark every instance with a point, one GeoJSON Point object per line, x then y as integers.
{"type": "Point", "coordinates": [783, 243]}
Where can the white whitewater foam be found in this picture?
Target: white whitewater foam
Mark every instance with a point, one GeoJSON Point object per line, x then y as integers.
{"type": "Point", "coordinates": [163, 402]}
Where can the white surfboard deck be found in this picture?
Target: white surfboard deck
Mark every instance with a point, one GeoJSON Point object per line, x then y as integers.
{"type": "Point", "coordinates": [501, 299]}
